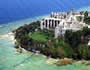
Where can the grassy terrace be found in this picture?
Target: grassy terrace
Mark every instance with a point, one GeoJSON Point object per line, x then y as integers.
{"type": "Point", "coordinates": [79, 18]}
{"type": "Point", "coordinates": [42, 36]}
{"type": "Point", "coordinates": [39, 36]}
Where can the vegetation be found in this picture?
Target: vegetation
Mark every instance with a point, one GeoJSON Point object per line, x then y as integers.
{"type": "Point", "coordinates": [41, 35]}
{"type": "Point", "coordinates": [79, 18]}
{"type": "Point", "coordinates": [83, 51]}
{"type": "Point", "coordinates": [38, 36]}
{"type": "Point", "coordinates": [31, 38]}
{"type": "Point", "coordinates": [78, 41]}
{"type": "Point", "coordinates": [86, 18]}
{"type": "Point", "coordinates": [72, 45]}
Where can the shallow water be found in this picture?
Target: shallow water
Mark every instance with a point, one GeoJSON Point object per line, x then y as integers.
{"type": "Point", "coordinates": [10, 60]}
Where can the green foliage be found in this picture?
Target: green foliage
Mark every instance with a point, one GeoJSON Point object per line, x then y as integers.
{"type": "Point", "coordinates": [86, 14]}
{"type": "Point", "coordinates": [82, 12]}
{"type": "Point", "coordinates": [73, 38]}
{"type": "Point", "coordinates": [60, 52]}
{"type": "Point", "coordinates": [39, 36]}
{"type": "Point", "coordinates": [78, 40]}
{"type": "Point", "coordinates": [42, 35]}
{"type": "Point", "coordinates": [65, 48]}
{"type": "Point", "coordinates": [79, 18]}
{"type": "Point", "coordinates": [87, 20]}
{"type": "Point", "coordinates": [86, 31]}
{"type": "Point", "coordinates": [31, 37]}
{"type": "Point", "coordinates": [83, 51]}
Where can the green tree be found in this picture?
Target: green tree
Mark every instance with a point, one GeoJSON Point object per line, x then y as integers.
{"type": "Point", "coordinates": [85, 14]}
{"type": "Point", "coordinates": [81, 12]}
{"type": "Point", "coordinates": [83, 51]}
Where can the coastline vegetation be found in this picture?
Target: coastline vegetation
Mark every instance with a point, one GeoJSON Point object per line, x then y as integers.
{"type": "Point", "coordinates": [79, 18]}
{"type": "Point", "coordinates": [86, 18]}
{"type": "Point", "coordinates": [71, 45]}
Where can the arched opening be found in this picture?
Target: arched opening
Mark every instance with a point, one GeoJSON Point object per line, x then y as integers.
{"type": "Point", "coordinates": [46, 23]}
{"type": "Point", "coordinates": [55, 23]}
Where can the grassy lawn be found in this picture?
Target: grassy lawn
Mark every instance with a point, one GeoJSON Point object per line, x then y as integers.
{"type": "Point", "coordinates": [79, 18]}
{"type": "Point", "coordinates": [39, 36]}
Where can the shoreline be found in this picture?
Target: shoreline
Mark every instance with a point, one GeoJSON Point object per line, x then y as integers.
{"type": "Point", "coordinates": [10, 36]}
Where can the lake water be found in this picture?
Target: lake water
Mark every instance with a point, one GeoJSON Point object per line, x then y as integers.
{"type": "Point", "coordinates": [9, 59]}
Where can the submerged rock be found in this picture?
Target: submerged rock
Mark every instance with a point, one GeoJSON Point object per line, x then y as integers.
{"type": "Point", "coordinates": [19, 50]}
{"type": "Point", "coordinates": [64, 61]}
{"type": "Point", "coordinates": [88, 63]}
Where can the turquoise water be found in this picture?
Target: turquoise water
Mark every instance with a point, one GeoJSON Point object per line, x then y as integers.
{"type": "Point", "coordinates": [5, 28]}
{"type": "Point", "coordinates": [10, 60]}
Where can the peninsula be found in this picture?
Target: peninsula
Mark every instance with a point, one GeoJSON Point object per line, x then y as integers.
{"type": "Point", "coordinates": [60, 35]}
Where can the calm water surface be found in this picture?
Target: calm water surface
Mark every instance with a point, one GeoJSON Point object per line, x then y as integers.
{"type": "Point", "coordinates": [10, 60]}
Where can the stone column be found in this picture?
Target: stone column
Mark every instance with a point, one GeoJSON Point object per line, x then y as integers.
{"type": "Point", "coordinates": [44, 24]}
{"type": "Point", "coordinates": [50, 24]}
{"type": "Point", "coordinates": [82, 19]}
{"type": "Point", "coordinates": [41, 24]}
{"type": "Point", "coordinates": [54, 23]}
{"type": "Point", "coordinates": [56, 32]}
{"type": "Point", "coordinates": [47, 24]}
{"type": "Point", "coordinates": [57, 23]}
